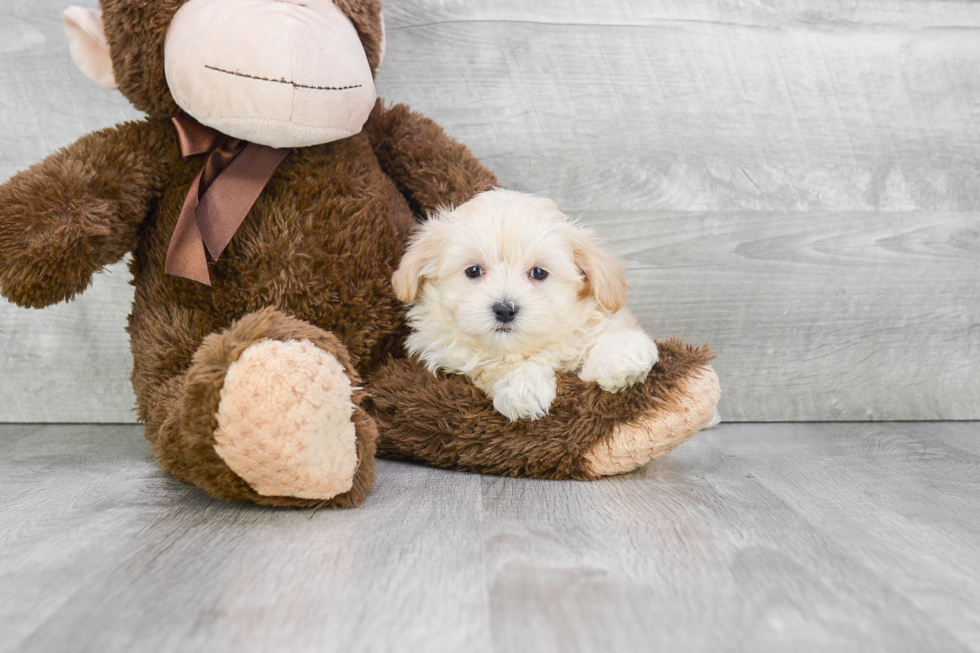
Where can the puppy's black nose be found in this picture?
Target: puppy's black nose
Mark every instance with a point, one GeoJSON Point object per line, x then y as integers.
{"type": "Point", "coordinates": [505, 311]}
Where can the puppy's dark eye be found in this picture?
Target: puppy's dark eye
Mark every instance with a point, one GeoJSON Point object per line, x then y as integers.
{"type": "Point", "coordinates": [538, 274]}
{"type": "Point", "coordinates": [474, 272]}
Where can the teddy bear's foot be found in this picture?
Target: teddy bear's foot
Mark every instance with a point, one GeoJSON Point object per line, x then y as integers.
{"type": "Point", "coordinates": [284, 421]}
{"type": "Point", "coordinates": [635, 444]}
{"type": "Point", "coordinates": [268, 412]}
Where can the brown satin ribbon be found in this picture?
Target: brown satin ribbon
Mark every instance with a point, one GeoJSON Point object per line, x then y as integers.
{"type": "Point", "coordinates": [230, 181]}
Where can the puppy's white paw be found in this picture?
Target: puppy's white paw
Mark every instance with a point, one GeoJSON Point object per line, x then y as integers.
{"type": "Point", "coordinates": [619, 360]}
{"type": "Point", "coordinates": [526, 392]}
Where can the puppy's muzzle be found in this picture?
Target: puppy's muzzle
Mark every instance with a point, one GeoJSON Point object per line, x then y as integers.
{"type": "Point", "coordinates": [505, 311]}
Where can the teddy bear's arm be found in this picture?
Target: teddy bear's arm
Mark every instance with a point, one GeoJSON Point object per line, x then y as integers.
{"type": "Point", "coordinates": [588, 433]}
{"type": "Point", "coordinates": [79, 210]}
{"type": "Point", "coordinates": [430, 168]}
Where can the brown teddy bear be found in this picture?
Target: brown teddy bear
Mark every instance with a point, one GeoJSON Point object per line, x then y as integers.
{"type": "Point", "coordinates": [266, 199]}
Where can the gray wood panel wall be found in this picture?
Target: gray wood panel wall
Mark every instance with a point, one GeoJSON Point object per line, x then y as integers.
{"type": "Point", "coordinates": [794, 182]}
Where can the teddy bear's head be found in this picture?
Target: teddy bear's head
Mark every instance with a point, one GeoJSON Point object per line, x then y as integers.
{"type": "Point", "coordinates": [283, 73]}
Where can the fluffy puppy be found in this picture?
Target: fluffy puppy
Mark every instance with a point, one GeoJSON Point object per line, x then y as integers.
{"type": "Point", "coordinates": [506, 290]}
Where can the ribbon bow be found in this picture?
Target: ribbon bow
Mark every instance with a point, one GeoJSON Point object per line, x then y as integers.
{"type": "Point", "coordinates": [230, 181]}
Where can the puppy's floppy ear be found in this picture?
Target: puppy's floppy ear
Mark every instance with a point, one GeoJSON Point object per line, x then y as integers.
{"type": "Point", "coordinates": [604, 273]}
{"type": "Point", "coordinates": [419, 260]}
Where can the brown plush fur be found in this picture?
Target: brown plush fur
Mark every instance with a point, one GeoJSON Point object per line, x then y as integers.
{"type": "Point", "coordinates": [79, 210]}
{"type": "Point", "coordinates": [312, 260]}
{"type": "Point", "coordinates": [136, 31]}
{"type": "Point", "coordinates": [445, 421]}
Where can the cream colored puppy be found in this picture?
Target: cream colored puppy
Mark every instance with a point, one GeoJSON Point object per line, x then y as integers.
{"type": "Point", "coordinates": [506, 290]}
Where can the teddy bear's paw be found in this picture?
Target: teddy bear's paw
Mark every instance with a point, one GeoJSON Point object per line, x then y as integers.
{"type": "Point", "coordinates": [634, 444]}
{"type": "Point", "coordinates": [284, 421]}
{"type": "Point", "coordinates": [526, 392]}
{"type": "Point", "coordinates": [621, 360]}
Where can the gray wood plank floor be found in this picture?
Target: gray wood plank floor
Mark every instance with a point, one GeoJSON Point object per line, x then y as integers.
{"type": "Point", "coordinates": [778, 537]}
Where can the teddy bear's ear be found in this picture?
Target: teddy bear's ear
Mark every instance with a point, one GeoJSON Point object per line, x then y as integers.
{"type": "Point", "coordinates": [88, 45]}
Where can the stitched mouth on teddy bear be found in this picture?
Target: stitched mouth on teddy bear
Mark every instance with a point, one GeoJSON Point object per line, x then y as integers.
{"type": "Point", "coordinates": [282, 80]}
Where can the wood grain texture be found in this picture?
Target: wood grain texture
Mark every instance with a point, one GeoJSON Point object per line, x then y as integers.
{"type": "Point", "coordinates": [802, 175]}
{"type": "Point", "coordinates": [799, 537]}
{"type": "Point", "coordinates": [846, 315]}
{"type": "Point", "coordinates": [703, 105]}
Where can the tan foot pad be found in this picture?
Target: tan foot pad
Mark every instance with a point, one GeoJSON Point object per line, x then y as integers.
{"type": "Point", "coordinates": [284, 421]}
{"type": "Point", "coordinates": [633, 445]}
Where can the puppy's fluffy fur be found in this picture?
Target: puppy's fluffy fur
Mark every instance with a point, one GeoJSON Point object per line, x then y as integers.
{"type": "Point", "coordinates": [465, 264]}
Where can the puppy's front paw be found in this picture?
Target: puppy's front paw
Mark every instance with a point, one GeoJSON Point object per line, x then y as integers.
{"type": "Point", "coordinates": [618, 361]}
{"type": "Point", "coordinates": [525, 392]}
